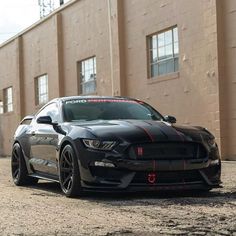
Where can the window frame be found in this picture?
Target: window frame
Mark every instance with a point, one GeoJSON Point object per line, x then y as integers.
{"type": "Point", "coordinates": [80, 71]}
{"type": "Point", "coordinates": [7, 106]}
{"type": "Point", "coordinates": [174, 57]}
{"type": "Point", "coordinates": [1, 107]}
{"type": "Point", "coordinates": [38, 90]}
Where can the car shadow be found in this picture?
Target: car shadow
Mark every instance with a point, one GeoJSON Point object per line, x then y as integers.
{"type": "Point", "coordinates": [214, 197]}
{"type": "Point", "coordinates": [46, 189]}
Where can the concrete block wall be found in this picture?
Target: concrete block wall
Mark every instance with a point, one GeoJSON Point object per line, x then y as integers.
{"type": "Point", "coordinates": [192, 93]}
{"type": "Point", "coordinates": [226, 16]}
{"type": "Point", "coordinates": [116, 31]}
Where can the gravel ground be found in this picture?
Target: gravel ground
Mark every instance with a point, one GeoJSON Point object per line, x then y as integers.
{"type": "Point", "coordinates": [44, 210]}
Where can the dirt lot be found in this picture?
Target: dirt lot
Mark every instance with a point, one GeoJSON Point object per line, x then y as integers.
{"type": "Point", "coordinates": [43, 210]}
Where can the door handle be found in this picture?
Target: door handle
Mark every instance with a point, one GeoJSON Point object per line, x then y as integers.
{"type": "Point", "coordinates": [32, 133]}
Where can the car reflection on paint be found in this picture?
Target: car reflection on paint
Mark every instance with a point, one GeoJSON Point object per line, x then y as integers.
{"type": "Point", "coordinates": [112, 144]}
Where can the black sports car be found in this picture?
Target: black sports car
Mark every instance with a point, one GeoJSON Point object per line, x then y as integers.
{"type": "Point", "coordinates": [112, 144]}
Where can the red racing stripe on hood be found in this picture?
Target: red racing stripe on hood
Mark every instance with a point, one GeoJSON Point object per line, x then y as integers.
{"type": "Point", "coordinates": [146, 131]}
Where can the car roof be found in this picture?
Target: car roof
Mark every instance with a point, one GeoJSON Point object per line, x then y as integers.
{"type": "Point", "coordinates": [63, 99]}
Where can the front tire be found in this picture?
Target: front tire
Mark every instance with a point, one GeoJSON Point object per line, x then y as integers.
{"type": "Point", "coordinates": [69, 175]}
{"type": "Point", "coordinates": [18, 168]}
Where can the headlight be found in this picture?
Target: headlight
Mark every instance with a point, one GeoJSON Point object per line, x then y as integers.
{"type": "Point", "coordinates": [99, 145]}
{"type": "Point", "coordinates": [211, 142]}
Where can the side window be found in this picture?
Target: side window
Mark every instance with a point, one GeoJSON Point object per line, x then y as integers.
{"type": "Point", "coordinates": [163, 52]}
{"type": "Point", "coordinates": [8, 100]}
{"type": "Point", "coordinates": [50, 110]}
{"type": "Point", "coordinates": [87, 76]}
{"type": "Point", "coordinates": [41, 89]}
{"type": "Point", "coordinates": [1, 107]}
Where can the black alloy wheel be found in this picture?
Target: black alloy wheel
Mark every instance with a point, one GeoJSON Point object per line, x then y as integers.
{"type": "Point", "coordinates": [18, 168]}
{"type": "Point", "coordinates": [69, 173]}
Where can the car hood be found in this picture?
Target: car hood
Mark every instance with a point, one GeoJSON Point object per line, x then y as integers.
{"type": "Point", "coordinates": [136, 131]}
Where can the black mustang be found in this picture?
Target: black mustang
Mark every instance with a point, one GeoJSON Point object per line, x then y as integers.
{"type": "Point", "coordinates": [112, 144]}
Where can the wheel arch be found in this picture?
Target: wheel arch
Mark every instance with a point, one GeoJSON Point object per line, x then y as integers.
{"type": "Point", "coordinates": [66, 142]}
{"type": "Point", "coordinates": [23, 152]}
{"type": "Point", "coordinates": [71, 143]}
{"type": "Point", "coordinates": [16, 141]}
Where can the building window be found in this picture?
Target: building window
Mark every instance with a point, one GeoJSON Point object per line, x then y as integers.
{"type": "Point", "coordinates": [8, 100]}
{"type": "Point", "coordinates": [1, 107]}
{"type": "Point", "coordinates": [41, 87]}
{"type": "Point", "coordinates": [163, 52]}
{"type": "Point", "coordinates": [87, 76]}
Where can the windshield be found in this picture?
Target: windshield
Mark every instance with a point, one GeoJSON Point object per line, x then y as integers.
{"type": "Point", "coordinates": [108, 109]}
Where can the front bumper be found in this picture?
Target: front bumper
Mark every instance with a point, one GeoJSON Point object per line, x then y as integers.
{"type": "Point", "coordinates": [154, 175]}
{"type": "Point", "coordinates": [121, 172]}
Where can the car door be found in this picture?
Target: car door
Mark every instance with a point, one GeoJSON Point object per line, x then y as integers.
{"type": "Point", "coordinates": [44, 141]}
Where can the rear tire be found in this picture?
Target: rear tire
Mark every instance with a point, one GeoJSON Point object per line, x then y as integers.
{"type": "Point", "coordinates": [18, 168]}
{"type": "Point", "coordinates": [69, 175]}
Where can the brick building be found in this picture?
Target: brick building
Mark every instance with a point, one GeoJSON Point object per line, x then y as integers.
{"type": "Point", "coordinates": [179, 56]}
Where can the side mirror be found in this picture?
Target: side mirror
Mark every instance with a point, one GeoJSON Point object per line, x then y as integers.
{"type": "Point", "coordinates": [44, 120]}
{"type": "Point", "coordinates": [170, 119]}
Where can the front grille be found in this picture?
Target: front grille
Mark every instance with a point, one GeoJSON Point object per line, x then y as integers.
{"type": "Point", "coordinates": [169, 177]}
{"type": "Point", "coordinates": [168, 151]}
